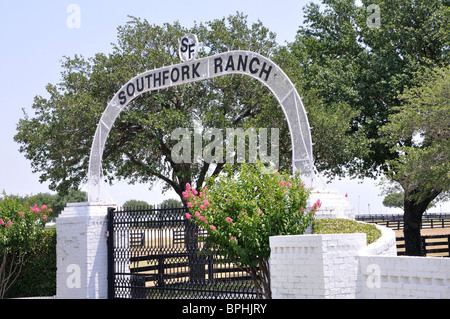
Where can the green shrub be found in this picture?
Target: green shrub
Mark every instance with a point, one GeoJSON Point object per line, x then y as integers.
{"type": "Point", "coordinates": [21, 227]}
{"type": "Point", "coordinates": [345, 226]}
{"type": "Point", "coordinates": [38, 275]}
{"type": "Point", "coordinates": [240, 211]}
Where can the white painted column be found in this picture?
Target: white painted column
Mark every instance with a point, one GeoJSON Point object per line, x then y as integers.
{"type": "Point", "coordinates": [81, 252]}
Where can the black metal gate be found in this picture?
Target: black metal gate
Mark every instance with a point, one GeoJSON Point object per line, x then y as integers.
{"type": "Point", "coordinates": [154, 253]}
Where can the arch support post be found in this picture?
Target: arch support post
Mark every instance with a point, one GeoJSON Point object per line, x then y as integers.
{"type": "Point", "coordinates": [81, 251]}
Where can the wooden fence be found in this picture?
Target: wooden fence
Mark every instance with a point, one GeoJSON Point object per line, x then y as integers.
{"type": "Point", "coordinates": [396, 221]}
{"type": "Point", "coordinates": [433, 246]}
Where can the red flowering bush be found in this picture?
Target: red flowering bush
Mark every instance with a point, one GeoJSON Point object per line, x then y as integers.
{"type": "Point", "coordinates": [20, 227]}
{"type": "Point", "coordinates": [239, 213]}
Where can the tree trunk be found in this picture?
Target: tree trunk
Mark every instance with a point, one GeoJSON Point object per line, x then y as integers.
{"type": "Point", "coordinates": [261, 279]}
{"type": "Point", "coordinates": [10, 268]}
{"type": "Point", "coordinates": [196, 261]}
{"type": "Point", "coordinates": [412, 218]}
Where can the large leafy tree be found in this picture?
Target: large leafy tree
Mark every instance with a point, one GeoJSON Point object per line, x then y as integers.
{"type": "Point", "coordinates": [58, 137]}
{"type": "Point", "coordinates": [349, 57]}
{"type": "Point", "coordinates": [337, 146]}
{"type": "Point", "coordinates": [419, 133]}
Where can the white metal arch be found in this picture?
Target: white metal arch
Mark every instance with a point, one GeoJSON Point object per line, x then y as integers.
{"type": "Point", "coordinates": [233, 62]}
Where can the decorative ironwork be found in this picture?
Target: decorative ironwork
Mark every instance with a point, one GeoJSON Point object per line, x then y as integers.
{"type": "Point", "coordinates": [246, 63]}
{"type": "Point", "coordinates": [155, 254]}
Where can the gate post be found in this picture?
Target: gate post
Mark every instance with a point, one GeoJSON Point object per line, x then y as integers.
{"type": "Point", "coordinates": [82, 251]}
{"type": "Point", "coordinates": [110, 243]}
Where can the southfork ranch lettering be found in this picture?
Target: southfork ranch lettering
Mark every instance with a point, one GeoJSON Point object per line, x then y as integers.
{"type": "Point", "coordinates": [233, 62]}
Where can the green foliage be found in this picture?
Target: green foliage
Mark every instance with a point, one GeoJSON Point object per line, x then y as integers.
{"type": "Point", "coordinates": [394, 200]}
{"type": "Point", "coordinates": [241, 211]}
{"type": "Point", "coordinates": [21, 227]}
{"type": "Point", "coordinates": [419, 133]}
{"type": "Point", "coordinates": [338, 146]}
{"type": "Point", "coordinates": [348, 63]}
{"type": "Point", "coordinates": [56, 202]}
{"type": "Point", "coordinates": [38, 275]}
{"type": "Point", "coordinates": [170, 202]}
{"type": "Point", "coordinates": [134, 203]}
{"type": "Point", "coordinates": [345, 226]}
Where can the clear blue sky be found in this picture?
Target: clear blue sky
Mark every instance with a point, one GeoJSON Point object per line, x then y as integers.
{"type": "Point", "coordinates": [34, 36]}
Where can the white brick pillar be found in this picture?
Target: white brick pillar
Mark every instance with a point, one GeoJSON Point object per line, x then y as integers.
{"type": "Point", "coordinates": [81, 251]}
{"type": "Point", "coordinates": [315, 266]}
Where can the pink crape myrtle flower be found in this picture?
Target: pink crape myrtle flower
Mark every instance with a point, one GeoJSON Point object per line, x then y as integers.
{"type": "Point", "coordinates": [197, 214]}
{"type": "Point", "coordinates": [188, 216]}
{"type": "Point", "coordinates": [21, 213]}
{"type": "Point", "coordinates": [212, 227]}
{"type": "Point", "coordinates": [228, 220]}
{"type": "Point", "coordinates": [8, 224]}
{"type": "Point", "coordinates": [35, 209]}
{"type": "Point", "coordinates": [316, 205]}
{"type": "Point", "coordinates": [2, 222]}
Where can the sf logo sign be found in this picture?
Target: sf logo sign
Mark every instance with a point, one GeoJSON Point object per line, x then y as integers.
{"type": "Point", "coordinates": [188, 47]}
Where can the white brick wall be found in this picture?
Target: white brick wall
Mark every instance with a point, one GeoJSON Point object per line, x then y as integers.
{"type": "Point", "coordinates": [303, 266]}
{"type": "Point", "coordinates": [342, 266]}
{"type": "Point", "coordinates": [341, 263]}
{"type": "Point", "coordinates": [404, 277]}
